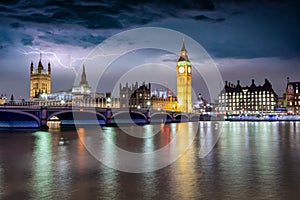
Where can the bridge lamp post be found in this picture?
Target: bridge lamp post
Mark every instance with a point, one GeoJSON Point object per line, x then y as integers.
{"type": "Point", "coordinates": [62, 102]}
{"type": "Point", "coordinates": [148, 104]}
{"type": "Point", "coordinates": [44, 97]}
{"type": "Point", "coordinates": [201, 111]}
{"type": "Point", "coordinates": [138, 107]}
{"type": "Point", "coordinates": [108, 102]}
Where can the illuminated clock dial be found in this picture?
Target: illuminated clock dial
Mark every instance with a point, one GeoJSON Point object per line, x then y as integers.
{"type": "Point", "coordinates": [181, 70]}
{"type": "Point", "coordinates": [189, 70]}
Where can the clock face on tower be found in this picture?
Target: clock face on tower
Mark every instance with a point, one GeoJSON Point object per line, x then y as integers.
{"type": "Point", "coordinates": [181, 70]}
{"type": "Point", "coordinates": [189, 70]}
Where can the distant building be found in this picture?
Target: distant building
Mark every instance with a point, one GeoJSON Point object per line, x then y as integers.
{"type": "Point", "coordinates": [58, 97]}
{"type": "Point", "coordinates": [83, 89]}
{"type": "Point", "coordinates": [202, 105]}
{"type": "Point", "coordinates": [292, 97]}
{"type": "Point", "coordinates": [164, 103]}
{"type": "Point", "coordinates": [135, 96]}
{"type": "Point", "coordinates": [125, 94]}
{"type": "Point", "coordinates": [138, 97]}
{"type": "Point", "coordinates": [80, 95]}
{"type": "Point", "coordinates": [163, 99]}
{"type": "Point", "coordinates": [281, 103]}
{"type": "Point", "coordinates": [161, 93]}
{"type": "Point", "coordinates": [3, 99]}
{"type": "Point", "coordinates": [40, 80]}
{"type": "Point", "coordinates": [236, 99]}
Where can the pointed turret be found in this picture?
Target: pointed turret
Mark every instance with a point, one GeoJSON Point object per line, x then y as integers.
{"type": "Point", "coordinates": [31, 67]}
{"type": "Point", "coordinates": [83, 77]}
{"type": "Point", "coordinates": [49, 68]}
{"type": "Point", "coordinates": [183, 51]}
{"type": "Point", "coordinates": [40, 65]}
{"type": "Point", "coordinates": [267, 85]}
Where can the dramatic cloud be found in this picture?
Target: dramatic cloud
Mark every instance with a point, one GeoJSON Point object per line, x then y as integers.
{"type": "Point", "coordinates": [67, 31]}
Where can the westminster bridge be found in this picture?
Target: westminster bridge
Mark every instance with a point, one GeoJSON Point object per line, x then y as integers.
{"type": "Point", "coordinates": [37, 116]}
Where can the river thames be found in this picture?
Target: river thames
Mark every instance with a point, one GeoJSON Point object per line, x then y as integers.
{"type": "Point", "coordinates": [247, 160]}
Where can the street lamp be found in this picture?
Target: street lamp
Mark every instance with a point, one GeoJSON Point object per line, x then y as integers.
{"type": "Point", "coordinates": [108, 102]}
{"type": "Point", "coordinates": [44, 96]}
{"type": "Point", "coordinates": [62, 102]}
{"type": "Point", "coordinates": [148, 104]}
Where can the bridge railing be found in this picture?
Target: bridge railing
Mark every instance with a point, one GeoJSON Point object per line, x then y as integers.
{"type": "Point", "coordinates": [55, 103]}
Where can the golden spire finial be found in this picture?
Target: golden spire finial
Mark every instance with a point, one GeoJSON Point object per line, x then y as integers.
{"type": "Point", "coordinates": [183, 49]}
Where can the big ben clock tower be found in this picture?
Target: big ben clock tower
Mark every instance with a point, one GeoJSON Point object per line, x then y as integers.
{"type": "Point", "coordinates": [184, 81]}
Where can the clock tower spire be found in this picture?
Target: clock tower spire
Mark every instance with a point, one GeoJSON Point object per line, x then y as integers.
{"type": "Point", "coordinates": [184, 80]}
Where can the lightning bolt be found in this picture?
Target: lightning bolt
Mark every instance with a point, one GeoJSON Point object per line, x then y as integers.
{"type": "Point", "coordinates": [58, 57]}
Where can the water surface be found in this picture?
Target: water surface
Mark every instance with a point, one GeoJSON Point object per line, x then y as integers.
{"type": "Point", "coordinates": [251, 160]}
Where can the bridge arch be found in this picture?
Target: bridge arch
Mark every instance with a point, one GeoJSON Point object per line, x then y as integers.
{"type": "Point", "coordinates": [126, 112]}
{"type": "Point", "coordinates": [195, 117]}
{"type": "Point", "coordinates": [76, 117]}
{"type": "Point", "coordinates": [7, 117]}
{"type": "Point", "coordinates": [161, 117]}
{"type": "Point", "coordinates": [138, 116]}
{"type": "Point", "coordinates": [76, 111]}
{"type": "Point", "coordinates": [182, 117]}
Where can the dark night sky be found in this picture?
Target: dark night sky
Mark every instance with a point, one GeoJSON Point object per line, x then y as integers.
{"type": "Point", "coordinates": [246, 39]}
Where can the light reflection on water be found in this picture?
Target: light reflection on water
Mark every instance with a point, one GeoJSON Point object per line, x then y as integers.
{"type": "Point", "coordinates": [251, 160]}
{"type": "Point", "coordinates": [42, 180]}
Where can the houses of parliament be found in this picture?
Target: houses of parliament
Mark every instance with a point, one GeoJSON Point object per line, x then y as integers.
{"type": "Point", "coordinates": [133, 97]}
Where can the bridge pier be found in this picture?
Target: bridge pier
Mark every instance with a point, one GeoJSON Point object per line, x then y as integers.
{"type": "Point", "coordinates": [148, 115]}
{"type": "Point", "coordinates": [43, 118]}
{"type": "Point", "coordinates": [108, 115]}
{"type": "Point", "coordinates": [173, 116]}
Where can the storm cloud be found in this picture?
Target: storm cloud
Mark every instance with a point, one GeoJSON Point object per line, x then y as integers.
{"type": "Point", "coordinates": [67, 30]}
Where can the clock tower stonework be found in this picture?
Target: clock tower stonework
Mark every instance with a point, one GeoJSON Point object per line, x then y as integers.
{"type": "Point", "coordinates": [184, 81]}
